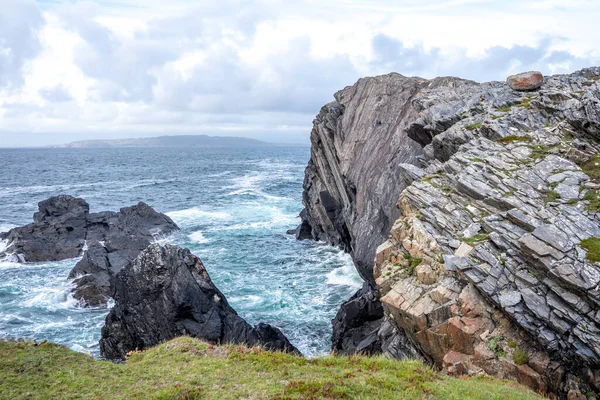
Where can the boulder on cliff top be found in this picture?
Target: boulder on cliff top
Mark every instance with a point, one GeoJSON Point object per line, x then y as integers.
{"type": "Point", "coordinates": [525, 81]}
{"type": "Point", "coordinates": [166, 292]}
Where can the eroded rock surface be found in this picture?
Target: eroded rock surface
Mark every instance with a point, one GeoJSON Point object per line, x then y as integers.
{"type": "Point", "coordinates": [484, 269]}
{"type": "Point", "coordinates": [166, 292]}
{"type": "Point", "coordinates": [64, 228]}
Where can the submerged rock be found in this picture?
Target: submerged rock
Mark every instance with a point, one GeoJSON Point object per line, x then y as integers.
{"type": "Point", "coordinates": [485, 255]}
{"type": "Point", "coordinates": [64, 228]}
{"type": "Point", "coordinates": [166, 292]}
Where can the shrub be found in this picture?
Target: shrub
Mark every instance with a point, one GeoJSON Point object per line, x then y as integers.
{"type": "Point", "coordinates": [520, 357]}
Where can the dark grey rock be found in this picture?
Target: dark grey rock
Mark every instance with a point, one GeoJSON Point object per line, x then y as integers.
{"type": "Point", "coordinates": [357, 322]}
{"type": "Point", "coordinates": [58, 232]}
{"type": "Point", "coordinates": [63, 228]}
{"type": "Point", "coordinates": [166, 292]}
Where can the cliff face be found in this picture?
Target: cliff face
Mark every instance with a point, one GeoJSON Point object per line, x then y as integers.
{"type": "Point", "coordinates": [358, 142]}
{"type": "Point", "coordinates": [492, 262]}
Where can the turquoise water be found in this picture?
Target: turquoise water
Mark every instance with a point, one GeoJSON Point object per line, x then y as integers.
{"type": "Point", "coordinates": [233, 207]}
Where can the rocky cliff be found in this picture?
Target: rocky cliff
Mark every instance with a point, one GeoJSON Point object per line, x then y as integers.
{"type": "Point", "coordinates": [480, 204]}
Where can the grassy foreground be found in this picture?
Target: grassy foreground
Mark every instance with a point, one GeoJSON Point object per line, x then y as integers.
{"type": "Point", "coordinates": [186, 368]}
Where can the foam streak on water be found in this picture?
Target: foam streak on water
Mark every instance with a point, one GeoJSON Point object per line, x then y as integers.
{"type": "Point", "coordinates": [233, 206]}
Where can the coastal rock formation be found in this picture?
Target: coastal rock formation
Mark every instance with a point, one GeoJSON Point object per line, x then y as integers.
{"type": "Point", "coordinates": [128, 232]}
{"type": "Point", "coordinates": [166, 292]}
{"type": "Point", "coordinates": [357, 143]}
{"type": "Point", "coordinates": [58, 232]}
{"type": "Point", "coordinates": [492, 263]}
{"type": "Point", "coordinates": [64, 228]}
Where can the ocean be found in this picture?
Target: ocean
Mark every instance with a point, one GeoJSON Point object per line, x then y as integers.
{"type": "Point", "coordinates": [233, 206]}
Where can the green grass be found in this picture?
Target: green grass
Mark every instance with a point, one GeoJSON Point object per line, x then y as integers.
{"type": "Point", "coordinates": [504, 109]}
{"type": "Point", "coordinates": [186, 368]}
{"type": "Point", "coordinates": [551, 196]}
{"type": "Point", "coordinates": [526, 103]}
{"type": "Point", "coordinates": [480, 237]}
{"type": "Point", "coordinates": [592, 196]}
{"type": "Point", "coordinates": [592, 246]}
{"type": "Point", "coordinates": [514, 138]}
{"type": "Point", "coordinates": [592, 168]}
{"type": "Point", "coordinates": [473, 127]}
{"type": "Point", "coordinates": [539, 151]}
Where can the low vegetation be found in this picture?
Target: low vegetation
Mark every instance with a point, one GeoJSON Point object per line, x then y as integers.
{"type": "Point", "coordinates": [592, 246]}
{"type": "Point", "coordinates": [592, 168]}
{"type": "Point", "coordinates": [520, 357]}
{"type": "Point", "coordinates": [480, 237]}
{"type": "Point", "coordinates": [594, 200]}
{"type": "Point", "coordinates": [514, 138]}
{"type": "Point", "coordinates": [473, 127]}
{"type": "Point", "coordinates": [186, 368]}
{"type": "Point", "coordinates": [413, 262]}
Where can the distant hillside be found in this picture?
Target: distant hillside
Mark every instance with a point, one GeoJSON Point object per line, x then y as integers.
{"type": "Point", "coordinates": [171, 141]}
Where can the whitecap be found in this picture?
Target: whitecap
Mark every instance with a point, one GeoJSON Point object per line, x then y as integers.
{"type": "Point", "coordinates": [198, 237]}
{"type": "Point", "coordinates": [51, 299]}
{"type": "Point", "coordinates": [9, 263]}
{"type": "Point", "coordinates": [195, 215]}
{"type": "Point", "coordinates": [345, 275]}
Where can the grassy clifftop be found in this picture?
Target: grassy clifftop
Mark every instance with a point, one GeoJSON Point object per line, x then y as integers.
{"type": "Point", "coordinates": [186, 368]}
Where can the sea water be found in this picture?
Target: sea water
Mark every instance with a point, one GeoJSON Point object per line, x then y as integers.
{"type": "Point", "coordinates": [233, 206]}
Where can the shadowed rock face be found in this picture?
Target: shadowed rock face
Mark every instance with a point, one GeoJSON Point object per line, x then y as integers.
{"type": "Point", "coordinates": [486, 252]}
{"type": "Point", "coordinates": [166, 292]}
{"type": "Point", "coordinates": [64, 228]}
{"type": "Point", "coordinates": [358, 141]}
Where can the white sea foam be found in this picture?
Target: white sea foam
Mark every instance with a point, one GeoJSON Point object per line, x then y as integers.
{"type": "Point", "coordinates": [3, 245]}
{"type": "Point", "coordinates": [9, 263]}
{"type": "Point", "coordinates": [247, 300]}
{"type": "Point", "coordinates": [345, 275]}
{"type": "Point", "coordinates": [198, 237]}
{"type": "Point", "coordinates": [51, 299]}
{"type": "Point", "coordinates": [195, 215]}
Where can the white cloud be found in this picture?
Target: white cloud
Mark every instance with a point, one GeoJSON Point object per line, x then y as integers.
{"type": "Point", "coordinates": [20, 21]}
{"type": "Point", "coordinates": [254, 67]}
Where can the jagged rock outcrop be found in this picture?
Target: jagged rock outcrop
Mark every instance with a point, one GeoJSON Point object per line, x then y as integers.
{"type": "Point", "coordinates": [166, 292]}
{"type": "Point", "coordinates": [58, 232]}
{"type": "Point", "coordinates": [64, 228]}
{"type": "Point", "coordinates": [128, 232]}
{"type": "Point", "coordinates": [491, 265]}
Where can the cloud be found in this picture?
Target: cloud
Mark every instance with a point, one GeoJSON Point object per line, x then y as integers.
{"type": "Point", "coordinates": [56, 94]}
{"type": "Point", "coordinates": [496, 63]}
{"type": "Point", "coordinates": [20, 22]}
{"type": "Point", "coordinates": [250, 67]}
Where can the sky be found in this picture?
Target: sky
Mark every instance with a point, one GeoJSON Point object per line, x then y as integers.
{"type": "Point", "coordinates": [79, 70]}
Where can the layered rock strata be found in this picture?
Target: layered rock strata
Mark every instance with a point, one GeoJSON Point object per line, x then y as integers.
{"type": "Point", "coordinates": [492, 264]}
{"type": "Point", "coordinates": [166, 292]}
